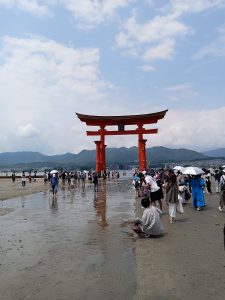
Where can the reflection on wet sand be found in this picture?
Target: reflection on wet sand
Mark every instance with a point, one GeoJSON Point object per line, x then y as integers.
{"type": "Point", "coordinates": [100, 203]}
{"type": "Point", "coordinates": [53, 205]}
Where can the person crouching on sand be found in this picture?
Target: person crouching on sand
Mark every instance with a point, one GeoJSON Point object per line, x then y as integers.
{"type": "Point", "coordinates": [150, 224]}
{"type": "Point", "coordinates": [54, 185]}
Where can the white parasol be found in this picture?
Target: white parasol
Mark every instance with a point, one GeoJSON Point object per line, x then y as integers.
{"type": "Point", "coordinates": [193, 171]}
{"type": "Point", "coordinates": [179, 168]}
{"type": "Point", "coordinates": [54, 172]}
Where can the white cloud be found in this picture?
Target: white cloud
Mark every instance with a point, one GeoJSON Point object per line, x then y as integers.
{"type": "Point", "coordinates": [44, 83]}
{"type": "Point", "coordinates": [89, 13]}
{"type": "Point", "coordinates": [180, 7]}
{"type": "Point", "coordinates": [147, 68]}
{"type": "Point", "coordinates": [164, 50]}
{"type": "Point", "coordinates": [153, 40]}
{"type": "Point", "coordinates": [191, 129]}
{"type": "Point", "coordinates": [31, 6]}
{"type": "Point", "coordinates": [157, 29]}
{"type": "Point", "coordinates": [28, 131]}
{"type": "Point", "coordinates": [214, 49]}
{"type": "Point", "coordinates": [181, 92]}
{"type": "Point", "coordinates": [157, 38]}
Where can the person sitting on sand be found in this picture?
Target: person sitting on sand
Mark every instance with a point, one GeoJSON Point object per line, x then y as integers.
{"type": "Point", "coordinates": [150, 224]}
{"type": "Point", "coordinates": [54, 185]}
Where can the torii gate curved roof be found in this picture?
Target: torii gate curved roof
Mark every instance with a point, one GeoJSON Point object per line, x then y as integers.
{"type": "Point", "coordinates": [125, 120]}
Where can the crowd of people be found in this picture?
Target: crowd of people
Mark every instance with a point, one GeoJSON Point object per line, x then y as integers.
{"type": "Point", "coordinates": [176, 189]}
{"type": "Point", "coordinates": [153, 186]}
{"type": "Point", "coordinates": [70, 178]}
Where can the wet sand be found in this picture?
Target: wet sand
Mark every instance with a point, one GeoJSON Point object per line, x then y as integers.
{"type": "Point", "coordinates": [8, 189]}
{"type": "Point", "coordinates": [76, 248]}
{"type": "Point", "coordinates": [189, 261]}
{"type": "Point", "coordinates": [82, 247]}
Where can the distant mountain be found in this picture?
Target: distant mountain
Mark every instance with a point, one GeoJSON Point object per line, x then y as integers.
{"type": "Point", "coordinates": [86, 158]}
{"type": "Point", "coordinates": [215, 153]}
{"type": "Point", "coordinates": [8, 158]}
{"type": "Point", "coordinates": [163, 154]}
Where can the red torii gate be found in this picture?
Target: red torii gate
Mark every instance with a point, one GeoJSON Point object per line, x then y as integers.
{"type": "Point", "coordinates": [121, 121]}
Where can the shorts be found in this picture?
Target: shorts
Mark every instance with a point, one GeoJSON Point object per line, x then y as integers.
{"type": "Point", "coordinates": [54, 189]}
{"type": "Point", "coordinates": [158, 195]}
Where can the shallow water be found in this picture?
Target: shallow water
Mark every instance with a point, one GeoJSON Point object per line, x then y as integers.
{"type": "Point", "coordinates": [79, 247]}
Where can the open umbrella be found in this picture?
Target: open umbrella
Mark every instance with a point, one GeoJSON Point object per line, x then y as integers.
{"type": "Point", "coordinates": [193, 171]}
{"type": "Point", "coordinates": [179, 168]}
{"type": "Point", "coordinates": [54, 172]}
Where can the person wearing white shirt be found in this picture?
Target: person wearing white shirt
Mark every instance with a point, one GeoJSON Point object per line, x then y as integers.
{"type": "Point", "coordinates": [150, 224]}
{"type": "Point", "coordinates": [156, 193]}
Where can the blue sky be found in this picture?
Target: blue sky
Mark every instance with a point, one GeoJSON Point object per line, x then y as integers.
{"type": "Point", "coordinates": [111, 57]}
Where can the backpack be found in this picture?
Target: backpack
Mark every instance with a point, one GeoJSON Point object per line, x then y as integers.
{"type": "Point", "coordinates": [136, 185]}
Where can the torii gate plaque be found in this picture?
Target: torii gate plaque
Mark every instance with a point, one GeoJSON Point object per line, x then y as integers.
{"type": "Point", "coordinates": [121, 121]}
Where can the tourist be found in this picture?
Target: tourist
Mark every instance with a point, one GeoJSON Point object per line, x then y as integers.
{"type": "Point", "coordinates": [150, 224]}
{"type": "Point", "coordinates": [208, 182]}
{"type": "Point", "coordinates": [35, 175]}
{"type": "Point", "coordinates": [13, 177]}
{"type": "Point", "coordinates": [72, 179]}
{"type": "Point", "coordinates": [95, 181]}
{"type": "Point", "coordinates": [217, 177]}
{"type": "Point", "coordinates": [222, 191]}
{"type": "Point", "coordinates": [83, 178]}
{"type": "Point", "coordinates": [23, 178]}
{"type": "Point", "coordinates": [63, 176]}
{"type": "Point", "coordinates": [136, 184]}
{"type": "Point", "coordinates": [29, 177]}
{"type": "Point", "coordinates": [45, 176]}
{"type": "Point", "coordinates": [171, 188]}
{"type": "Point", "coordinates": [181, 179]}
{"type": "Point", "coordinates": [182, 190]}
{"type": "Point", "coordinates": [54, 185]}
{"type": "Point", "coordinates": [197, 185]}
{"type": "Point", "coordinates": [156, 193]}
{"type": "Point", "coordinates": [69, 178]}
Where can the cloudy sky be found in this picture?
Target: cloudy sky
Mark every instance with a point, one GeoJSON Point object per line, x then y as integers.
{"type": "Point", "coordinates": [111, 57]}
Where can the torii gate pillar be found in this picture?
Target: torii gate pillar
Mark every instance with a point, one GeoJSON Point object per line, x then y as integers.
{"type": "Point", "coordinates": [102, 148]}
{"type": "Point", "coordinates": [141, 149]}
{"type": "Point", "coordinates": [98, 156]}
